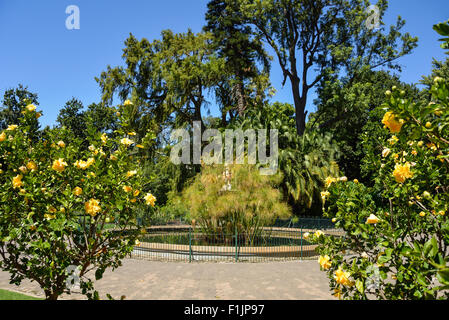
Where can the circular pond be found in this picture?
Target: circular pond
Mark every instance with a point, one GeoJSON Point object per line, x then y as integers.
{"type": "Point", "coordinates": [188, 244]}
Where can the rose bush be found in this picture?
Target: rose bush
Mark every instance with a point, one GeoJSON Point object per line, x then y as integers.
{"type": "Point", "coordinates": [396, 239]}
{"type": "Point", "coordinates": [66, 202]}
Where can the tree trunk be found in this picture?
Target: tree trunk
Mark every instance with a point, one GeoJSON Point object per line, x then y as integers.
{"type": "Point", "coordinates": [240, 97]}
{"type": "Point", "coordinates": [51, 295]}
{"type": "Point", "coordinates": [300, 106]}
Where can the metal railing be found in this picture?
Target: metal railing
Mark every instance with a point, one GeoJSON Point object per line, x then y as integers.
{"type": "Point", "coordinates": [180, 243]}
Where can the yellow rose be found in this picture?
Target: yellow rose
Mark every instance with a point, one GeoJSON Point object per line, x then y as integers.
{"type": "Point", "coordinates": [104, 138]}
{"type": "Point", "coordinates": [150, 199]}
{"type": "Point", "coordinates": [12, 127]}
{"type": "Point", "coordinates": [342, 277]}
{"type": "Point", "coordinates": [61, 144]}
{"type": "Point", "coordinates": [80, 164]}
{"type": "Point", "coordinates": [391, 122]}
{"type": "Point", "coordinates": [356, 181]}
{"type": "Point", "coordinates": [127, 188]}
{"type": "Point", "coordinates": [318, 233]}
{"type": "Point", "coordinates": [127, 142]}
{"type": "Point", "coordinates": [324, 262]}
{"type": "Point", "coordinates": [393, 140]}
{"type": "Point", "coordinates": [32, 166]}
{"type": "Point", "coordinates": [90, 162]}
{"type": "Point", "coordinates": [372, 219]}
{"type": "Point", "coordinates": [337, 293]}
{"type": "Point", "coordinates": [2, 136]}
{"type": "Point", "coordinates": [59, 165]}
{"type": "Point", "coordinates": [385, 152]}
{"type": "Point", "coordinates": [136, 193]}
{"type": "Point", "coordinates": [77, 191]}
{"type": "Point", "coordinates": [92, 207]}
{"type": "Point", "coordinates": [31, 107]}
{"type": "Point", "coordinates": [131, 173]}
{"type": "Point", "coordinates": [127, 103]}
{"type": "Point", "coordinates": [17, 181]}
{"type": "Point", "coordinates": [402, 172]}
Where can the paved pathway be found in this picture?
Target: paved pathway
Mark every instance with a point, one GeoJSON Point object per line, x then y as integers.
{"type": "Point", "coordinates": [140, 279]}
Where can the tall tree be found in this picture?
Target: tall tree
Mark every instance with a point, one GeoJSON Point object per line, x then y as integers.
{"type": "Point", "coordinates": [72, 117]}
{"type": "Point", "coordinates": [14, 102]}
{"type": "Point", "coordinates": [325, 36]}
{"type": "Point", "coordinates": [242, 50]}
{"type": "Point", "coordinates": [102, 117]}
{"type": "Point", "coordinates": [167, 79]}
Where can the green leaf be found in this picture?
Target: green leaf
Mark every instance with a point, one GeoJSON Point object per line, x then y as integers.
{"type": "Point", "coordinates": [443, 276]}
{"type": "Point", "coordinates": [359, 286]}
{"type": "Point", "coordinates": [99, 273]}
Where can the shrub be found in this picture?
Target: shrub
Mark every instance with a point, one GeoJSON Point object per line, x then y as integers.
{"type": "Point", "coordinates": [57, 198]}
{"type": "Point", "coordinates": [397, 232]}
{"type": "Point", "coordinates": [223, 200]}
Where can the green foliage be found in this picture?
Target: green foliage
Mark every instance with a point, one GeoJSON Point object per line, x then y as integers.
{"type": "Point", "coordinates": [14, 101]}
{"type": "Point", "coordinates": [326, 35]}
{"type": "Point", "coordinates": [97, 117]}
{"type": "Point", "coordinates": [167, 78]}
{"type": "Point", "coordinates": [72, 117]}
{"type": "Point", "coordinates": [57, 198]}
{"type": "Point", "coordinates": [346, 108]}
{"type": "Point", "coordinates": [397, 232]}
{"type": "Point", "coordinates": [223, 200]}
{"type": "Point", "coordinates": [443, 29]}
{"type": "Point", "coordinates": [305, 161]}
{"type": "Point", "coordinates": [103, 118]}
{"type": "Point", "coordinates": [241, 50]}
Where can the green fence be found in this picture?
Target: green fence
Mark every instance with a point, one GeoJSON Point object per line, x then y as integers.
{"type": "Point", "coordinates": [188, 244]}
{"type": "Point", "coordinates": [318, 223]}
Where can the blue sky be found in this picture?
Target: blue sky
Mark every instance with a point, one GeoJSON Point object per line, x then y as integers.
{"type": "Point", "coordinates": [38, 51]}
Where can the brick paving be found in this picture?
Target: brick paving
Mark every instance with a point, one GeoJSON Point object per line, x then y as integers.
{"type": "Point", "coordinates": [154, 280]}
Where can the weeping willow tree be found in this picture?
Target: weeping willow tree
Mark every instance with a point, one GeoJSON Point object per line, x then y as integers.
{"type": "Point", "coordinates": [223, 200]}
{"type": "Point", "coordinates": [305, 161]}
